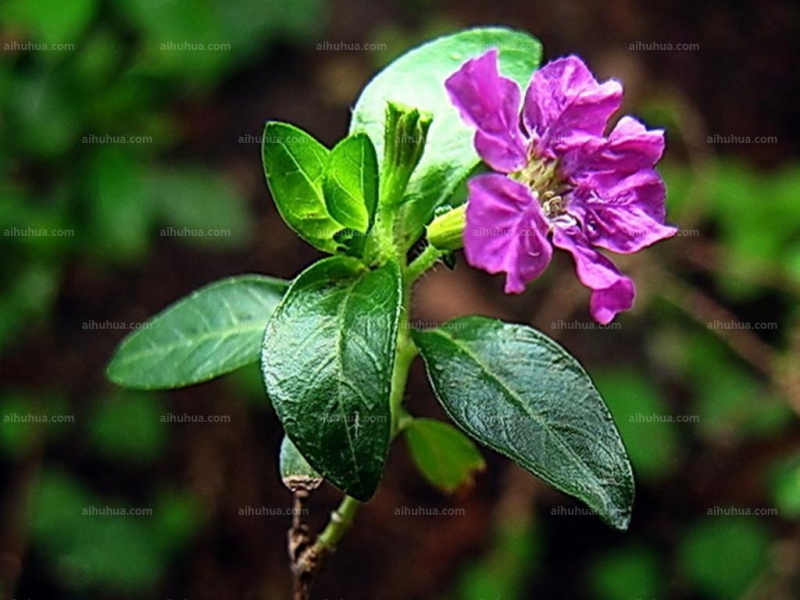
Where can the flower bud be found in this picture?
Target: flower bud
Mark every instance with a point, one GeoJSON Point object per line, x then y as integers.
{"type": "Point", "coordinates": [446, 232]}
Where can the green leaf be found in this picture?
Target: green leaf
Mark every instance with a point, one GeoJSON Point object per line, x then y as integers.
{"type": "Point", "coordinates": [53, 25]}
{"type": "Point", "coordinates": [213, 331]}
{"type": "Point", "coordinates": [628, 572]}
{"type": "Point", "coordinates": [129, 429]}
{"type": "Point", "coordinates": [201, 208]}
{"type": "Point", "coordinates": [644, 421]}
{"type": "Point", "coordinates": [327, 363]}
{"type": "Point", "coordinates": [785, 486]}
{"type": "Point", "coordinates": [294, 164]}
{"type": "Point", "coordinates": [120, 211]}
{"type": "Point", "coordinates": [296, 473]}
{"type": "Point", "coordinates": [351, 182]}
{"type": "Point", "coordinates": [515, 390]}
{"type": "Point", "coordinates": [417, 79]}
{"type": "Point", "coordinates": [445, 456]}
{"type": "Point", "coordinates": [722, 557]}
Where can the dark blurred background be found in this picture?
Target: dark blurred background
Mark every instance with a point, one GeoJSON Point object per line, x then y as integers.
{"type": "Point", "coordinates": [130, 174]}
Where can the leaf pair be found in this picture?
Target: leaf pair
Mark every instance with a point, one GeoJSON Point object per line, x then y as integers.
{"type": "Point", "coordinates": [328, 197]}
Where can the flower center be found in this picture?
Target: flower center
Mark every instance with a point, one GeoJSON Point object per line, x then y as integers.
{"type": "Point", "coordinates": [541, 176]}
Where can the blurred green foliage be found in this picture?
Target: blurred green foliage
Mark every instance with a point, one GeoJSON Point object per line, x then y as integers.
{"type": "Point", "coordinates": [93, 541]}
{"type": "Point", "coordinates": [130, 61]}
{"type": "Point", "coordinates": [86, 92]}
{"type": "Point", "coordinates": [89, 132]}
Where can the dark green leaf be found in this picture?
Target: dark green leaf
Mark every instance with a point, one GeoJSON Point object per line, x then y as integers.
{"type": "Point", "coordinates": [215, 330]}
{"type": "Point", "coordinates": [327, 362]}
{"type": "Point", "coordinates": [517, 391]}
{"type": "Point", "coordinates": [294, 164]}
{"type": "Point", "coordinates": [417, 79]}
{"type": "Point", "coordinates": [444, 455]}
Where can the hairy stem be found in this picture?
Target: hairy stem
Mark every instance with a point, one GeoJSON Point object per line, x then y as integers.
{"type": "Point", "coordinates": [422, 263]}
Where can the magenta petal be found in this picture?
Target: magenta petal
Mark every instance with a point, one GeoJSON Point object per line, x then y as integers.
{"type": "Point", "coordinates": [506, 231]}
{"type": "Point", "coordinates": [624, 229]}
{"type": "Point", "coordinates": [623, 215]}
{"type": "Point", "coordinates": [490, 103]}
{"type": "Point", "coordinates": [630, 147]}
{"type": "Point", "coordinates": [565, 105]}
{"type": "Point", "coordinates": [605, 304]}
{"type": "Point", "coordinates": [612, 292]}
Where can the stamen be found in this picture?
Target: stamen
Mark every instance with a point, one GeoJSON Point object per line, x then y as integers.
{"type": "Point", "coordinates": [541, 176]}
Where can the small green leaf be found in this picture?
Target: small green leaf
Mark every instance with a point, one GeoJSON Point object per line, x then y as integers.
{"type": "Point", "coordinates": [515, 390]}
{"type": "Point", "coordinates": [351, 182]}
{"type": "Point", "coordinates": [215, 330]}
{"type": "Point", "coordinates": [417, 79]}
{"type": "Point", "coordinates": [296, 473]}
{"type": "Point", "coordinates": [294, 164]}
{"type": "Point", "coordinates": [445, 456]}
{"type": "Point", "coordinates": [327, 363]}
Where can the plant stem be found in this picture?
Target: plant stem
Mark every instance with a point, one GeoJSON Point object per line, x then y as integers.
{"type": "Point", "coordinates": [308, 561]}
{"type": "Point", "coordinates": [422, 263]}
{"type": "Point", "coordinates": [341, 520]}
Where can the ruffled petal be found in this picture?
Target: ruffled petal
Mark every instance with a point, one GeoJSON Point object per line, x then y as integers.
{"type": "Point", "coordinates": [490, 103]}
{"type": "Point", "coordinates": [565, 105]}
{"type": "Point", "coordinates": [612, 292]}
{"type": "Point", "coordinates": [629, 148]}
{"type": "Point", "coordinates": [643, 189]}
{"type": "Point", "coordinates": [622, 215]}
{"type": "Point", "coordinates": [506, 231]}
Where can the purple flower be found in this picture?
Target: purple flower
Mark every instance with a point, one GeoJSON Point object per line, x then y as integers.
{"type": "Point", "coordinates": [560, 180]}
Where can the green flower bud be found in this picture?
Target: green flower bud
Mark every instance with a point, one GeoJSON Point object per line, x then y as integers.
{"type": "Point", "coordinates": [446, 232]}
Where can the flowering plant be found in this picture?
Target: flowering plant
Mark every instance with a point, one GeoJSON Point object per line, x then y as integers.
{"type": "Point", "coordinates": [336, 344]}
